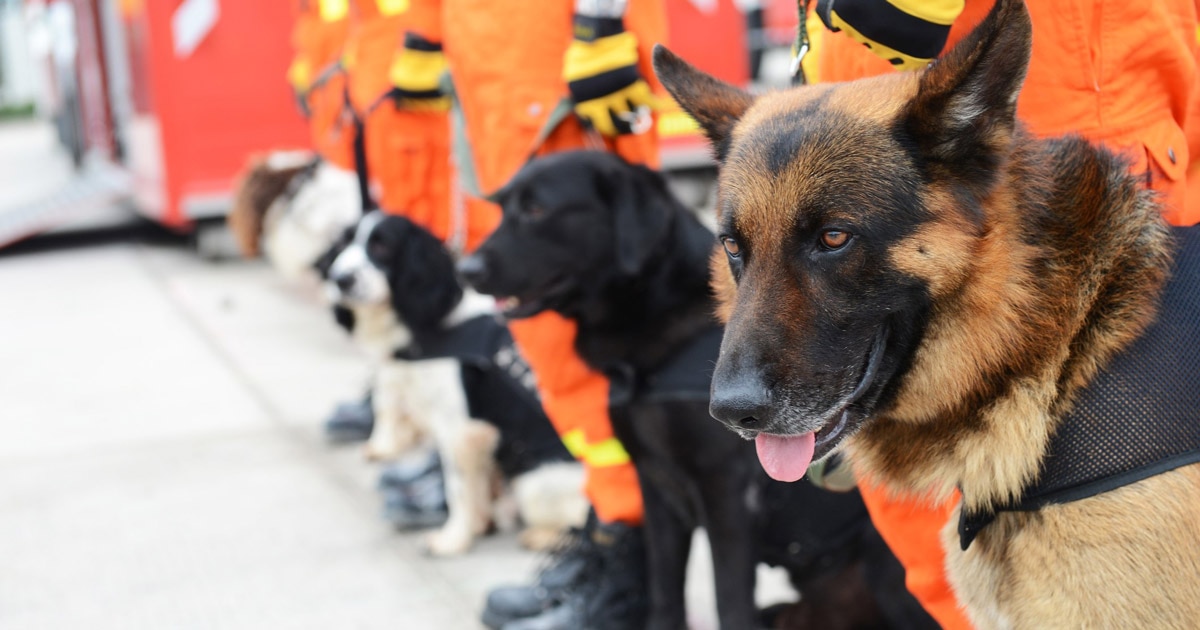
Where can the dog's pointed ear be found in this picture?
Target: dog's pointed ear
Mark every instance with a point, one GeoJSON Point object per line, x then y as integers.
{"type": "Point", "coordinates": [714, 104]}
{"type": "Point", "coordinates": [640, 202]}
{"type": "Point", "coordinates": [966, 103]}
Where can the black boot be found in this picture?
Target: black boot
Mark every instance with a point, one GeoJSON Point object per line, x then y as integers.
{"type": "Point", "coordinates": [421, 505]}
{"type": "Point", "coordinates": [610, 594]}
{"type": "Point", "coordinates": [351, 421]}
{"type": "Point", "coordinates": [409, 469]}
{"type": "Point", "coordinates": [565, 564]}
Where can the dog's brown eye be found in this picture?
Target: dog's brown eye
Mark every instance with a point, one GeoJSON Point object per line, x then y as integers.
{"type": "Point", "coordinates": [534, 212]}
{"type": "Point", "coordinates": [834, 239]}
{"type": "Point", "coordinates": [731, 247]}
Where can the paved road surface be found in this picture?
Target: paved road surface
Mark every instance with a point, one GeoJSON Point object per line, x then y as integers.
{"type": "Point", "coordinates": [161, 464]}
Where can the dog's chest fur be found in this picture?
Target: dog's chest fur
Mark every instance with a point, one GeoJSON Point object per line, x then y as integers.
{"type": "Point", "coordinates": [379, 332]}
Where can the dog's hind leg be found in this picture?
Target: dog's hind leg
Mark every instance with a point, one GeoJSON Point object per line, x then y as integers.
{"type": "Point", "coordinates": [729, 523]}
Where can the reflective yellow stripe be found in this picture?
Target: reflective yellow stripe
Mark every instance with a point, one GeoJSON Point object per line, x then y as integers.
{"type": "Point", "coordinates": [602, 454]}
{"type": "Point", "coordinates": [300, 74]}
{"type": "Point", "coordinates": [673, 124]}
{"type": "Point", "coordinates": [334, 10]}
{"type": "Point", "coordinates": [610, 452]}
{"type": "Point", "coordinates": [575, 442]}
{"type": "Point", "coordinates": [391, 7]}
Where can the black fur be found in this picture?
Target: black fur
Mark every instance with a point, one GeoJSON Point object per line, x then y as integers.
{"type": "Point", "coordinates": [343, 316]}
{"type": "Point", "coordinates": [567, 242]}
{"type": "Point", "coordinates": [420, 273]}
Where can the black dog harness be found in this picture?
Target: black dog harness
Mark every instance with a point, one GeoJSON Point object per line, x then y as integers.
{"type": "Point", "coordinates": [1138, 418]}
{"type": "Point", "coordinates": [500, 389]}
{"type": "Point", "coordinates": [685, 377]}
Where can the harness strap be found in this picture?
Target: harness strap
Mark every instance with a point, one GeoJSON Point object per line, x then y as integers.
{"type": "Point", "coordinates": [464, 161]}
{"type": "Point", "coordinates": [801, 45]}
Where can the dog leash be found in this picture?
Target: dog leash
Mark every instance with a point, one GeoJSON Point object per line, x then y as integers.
{"type": "Point", "coordinates": [801, 45]}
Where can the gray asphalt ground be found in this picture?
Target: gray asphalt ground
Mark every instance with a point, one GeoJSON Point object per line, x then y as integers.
{"type": "Point", "coordinates": [161, 460]}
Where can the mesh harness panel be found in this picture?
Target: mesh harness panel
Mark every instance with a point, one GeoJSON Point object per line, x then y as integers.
{"type": "Point", "coordinates": [1138, 418]}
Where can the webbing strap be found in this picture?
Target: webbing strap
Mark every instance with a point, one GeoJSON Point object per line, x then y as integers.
{"type": "Point", "coordinates": [801, 45]}
{"type": "Point", "coordinates": [468, 179]}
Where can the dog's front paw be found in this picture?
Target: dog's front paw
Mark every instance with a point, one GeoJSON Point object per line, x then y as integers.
{"type": "Point", "coordinates": [448, 542]}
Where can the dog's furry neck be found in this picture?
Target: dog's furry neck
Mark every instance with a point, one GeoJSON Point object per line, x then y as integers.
{"type": "Point", "coordinates": [642, 320]}
{"type": "Point", "coordinates": [378, 331]}
{"type": "Point", "coordinates": [1068, 272]}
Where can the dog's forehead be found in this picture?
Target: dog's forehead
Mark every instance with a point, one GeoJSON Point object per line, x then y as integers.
{"type": "Point", "coordinates": [557, 179]}
{"type": "Point", "coordinates": [810, 146]}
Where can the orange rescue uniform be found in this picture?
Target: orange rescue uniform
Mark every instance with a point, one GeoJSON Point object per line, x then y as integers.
{"type": "Point", "coordinates": [318, 37]}
{"type": "Point", "coordinates": [1118, 72]}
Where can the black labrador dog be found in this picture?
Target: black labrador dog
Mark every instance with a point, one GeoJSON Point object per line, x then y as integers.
{"type": "Point", "coordinates": [605, 243]}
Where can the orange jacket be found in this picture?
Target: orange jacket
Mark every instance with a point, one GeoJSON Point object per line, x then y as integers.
{"type": "Point", "coordinates": [1121, 73]}
{"type": "Point", "coordinates": [1118, 72]}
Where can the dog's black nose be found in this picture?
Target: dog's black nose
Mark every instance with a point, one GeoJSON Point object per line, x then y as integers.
{"type": "Point", "coordinates": [344, 282]}
{"type": "Point", "coordinates": [473, 269]}
{"type": "Point", "coordinates": [741, 403]}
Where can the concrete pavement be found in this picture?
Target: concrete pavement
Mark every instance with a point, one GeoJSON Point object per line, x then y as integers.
{"type": "Point", "coordinates": [161, 463]}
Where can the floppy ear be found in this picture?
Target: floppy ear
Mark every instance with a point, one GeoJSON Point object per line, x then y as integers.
{"type": "Point", "coordinates": [640, 202]}
{"type": "Point", "coordinates": [258, 186]}
{"type": "Point", "coordinates": [344, 317]}
{"type": "Point", "coordinates": [966, 103]}
{"type": "Point", "coordinates": [422, 280]}
{"type": "Point", "coordinates": [714, 104]}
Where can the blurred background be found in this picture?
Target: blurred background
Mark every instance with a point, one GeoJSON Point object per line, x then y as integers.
{"type": "Point", "coordinates": [161, 456]}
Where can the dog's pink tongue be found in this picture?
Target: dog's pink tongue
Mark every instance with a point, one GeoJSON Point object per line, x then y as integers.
{"type": "Point", "coordinates": [785, 458]}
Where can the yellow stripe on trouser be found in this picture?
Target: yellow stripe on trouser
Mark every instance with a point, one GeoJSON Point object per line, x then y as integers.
{"type": "Point", "coordinates": [602, 454]}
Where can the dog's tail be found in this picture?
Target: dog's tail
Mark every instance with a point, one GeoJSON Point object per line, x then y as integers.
{"type": "Point", "coordinates": [264, 179]}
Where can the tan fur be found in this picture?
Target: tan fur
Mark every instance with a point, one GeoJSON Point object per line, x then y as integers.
{"type": "Point", "coordinates": [258, 186]}
{"type": "Point", "coordinates": [722, 284]}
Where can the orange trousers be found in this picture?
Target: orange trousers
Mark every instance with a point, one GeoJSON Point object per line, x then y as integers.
{"type": "Point", "coordinates": [506, 60]}
{"type": "Point", "coordinates": [1134, 93]}
{"type": "Point", "coordinates": [317, 44]}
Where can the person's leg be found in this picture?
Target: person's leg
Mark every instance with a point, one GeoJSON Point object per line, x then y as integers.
{"type": "Point", "coordinates": [912, 529]}
{"type": "Point", "coordinates": [576, 400]}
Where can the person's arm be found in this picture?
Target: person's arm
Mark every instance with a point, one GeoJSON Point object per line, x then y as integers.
{"type": "Point", "coordinates": [601, 70]}
{"type": "Point", "coordinates": [907, 33]}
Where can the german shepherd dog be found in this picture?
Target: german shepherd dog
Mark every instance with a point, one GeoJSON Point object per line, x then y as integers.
{"type": "Point", "coordinates": [605, 243]}
{"type": "Point", "coordinates": [909, 275]}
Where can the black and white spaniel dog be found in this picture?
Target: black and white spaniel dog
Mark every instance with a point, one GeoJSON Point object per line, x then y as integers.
{"type": "Point", "coordinates": [448, 369]}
